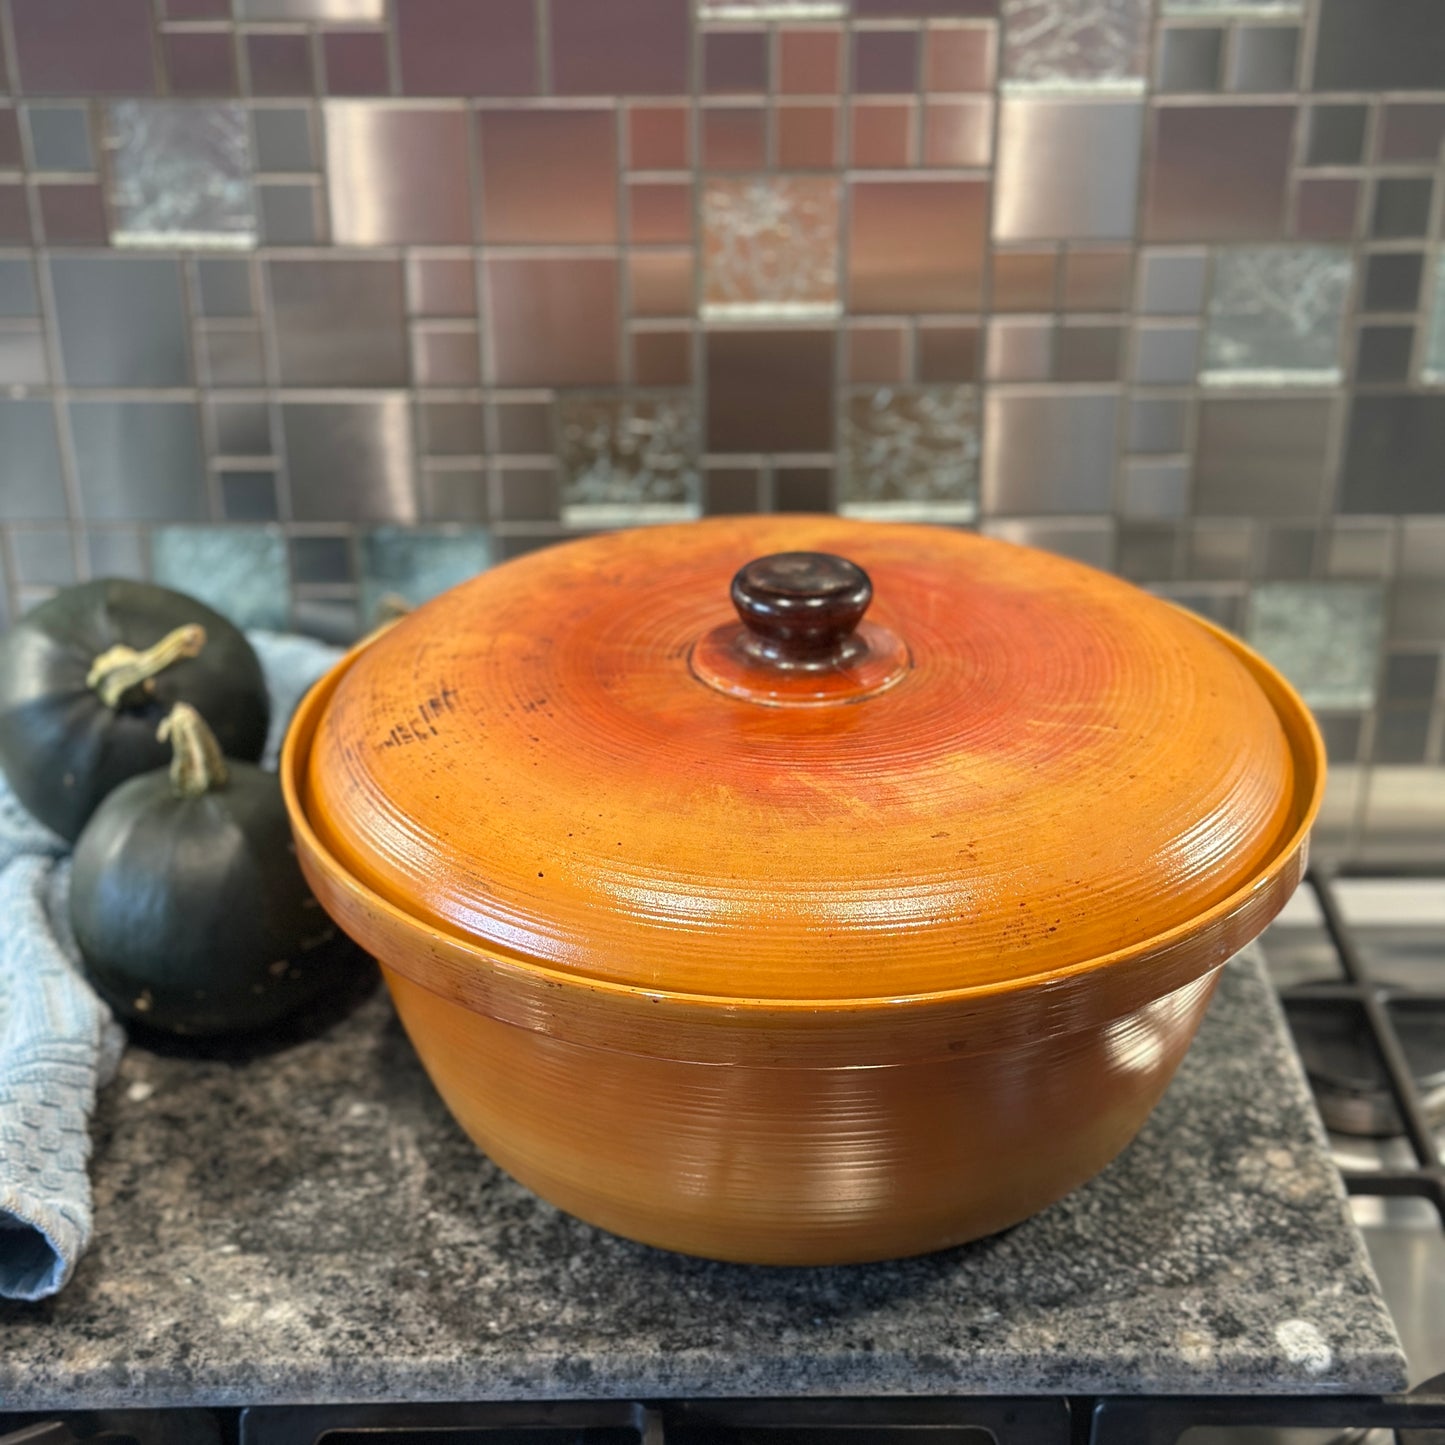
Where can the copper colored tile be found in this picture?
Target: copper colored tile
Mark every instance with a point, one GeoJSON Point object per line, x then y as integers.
{"type": "Point", "coordinates": [734, 138]}
{"type": "Point", "coordinates": [625, 47]}
{"type": "Point", "coordinates": [200, 63]}
{"type": "Point", "coordinates": [279, 63]}
{"type": "Point", "coordinates": [882, 134]}
{"type": "Point", "coordinates": [467, 47]}
{"type": "Point", "coordinates": [1326, 209]}
{"type": "Point", "coordinates": [959, 57]}
{"type": "Point", "coordinates": [552, 321]}
{"type": "Point", "coordinates": [807, 135]}
{"type": "Point", "coordinates": [662, 358]}
{"type": "Point", "coordinates": [658, 138]}
{"type": "Point", "coordinates": [659, 211]}
{"type": "Point", "coordinates": [9, 139]}
{"type": "Point", "coordinates": [769, 390]}
{"type": "Point", "coordinates": [878, 353]}
{"type": "Point", "coordinates": [735, 62]}
{"type": "Point", "coordinates": [1024, 280]}
{"type": "Point", "coordinates": [83, 47]}
{"type": "Point", "coordinates": [355, 62]}
{"type": "Point", "coordinates": [810, 62]}
{"type": "Point", "coordinates": [917, 245]}
{"type": "Point", "coordinates": [339, 322]}
{"type": "Point", "coordinates": [522, 428]}
{"type": "Point", "coordinates": [549, 176]}
{"type": "Point", "coordinates": [947, 352]}
{"type": "Point", "coordinates": [72, 215]}
{"type": "Point", "coordinates": [14, 216]}
{"type": "Point", "coordinates": [440, 286]}
{"type": "Point", "coordinates": [1412, 132]}
{"type": "Point", "coordinates": [1097, 280]}
{"type": "Point", "coordinates": [1218, 173]}
{"type": "Point", "coordinates": [445, 356]}
{"type": "Point", "coordinates": [660, 283]}
{"type": "Point", "coordinates": [885, 62]}
{"type": "Point", "coordinates": [957, 132]}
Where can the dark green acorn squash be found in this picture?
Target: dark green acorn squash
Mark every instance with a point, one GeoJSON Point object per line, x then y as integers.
{"type": "Point", "coordinates": [187, 901]}
{"type": "Point", "coordinates": [86, 678]}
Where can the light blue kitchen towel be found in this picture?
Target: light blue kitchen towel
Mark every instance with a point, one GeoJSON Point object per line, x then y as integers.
{"type": "Point", "coordinates": [58, 1041]}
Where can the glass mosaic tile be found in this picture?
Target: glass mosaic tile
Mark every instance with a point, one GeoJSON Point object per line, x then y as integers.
{"type": "Point", "coordinates": [1101, 44]}
{"type": "Point", "coordinates": [1324, 636]}
{"type": "Point", "coordinates": [179, 174]}
{"type": "Point", "coordinates": [911, 453]}
{"type": "Point", "coordinates": [1254, 9]}
{"type": "Point", "coordinates": [627, 460]}
{"type": "Point", "coordinates": [770, 247]}
{"type": "Point", "coordinates": [771, 9]}
{"type": "Point", "coordinates": [240, 571]}
{"type": "Point", "coordinates": [1274, 315]}
{"type": "Point", "coordinates": [417, 563]}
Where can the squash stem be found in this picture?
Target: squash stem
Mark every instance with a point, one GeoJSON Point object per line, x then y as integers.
{"type": "Point", "coordinates": [118, 669]}
{"type": "Point", "coordinates": [197, 765]}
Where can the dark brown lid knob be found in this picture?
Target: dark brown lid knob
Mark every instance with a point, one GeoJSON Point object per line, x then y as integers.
{"type": "Point", "coordinates": [800, 608]}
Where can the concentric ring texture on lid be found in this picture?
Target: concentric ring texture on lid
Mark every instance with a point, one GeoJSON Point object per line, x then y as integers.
{"type": "Point", "coordinates": [1070, 767]}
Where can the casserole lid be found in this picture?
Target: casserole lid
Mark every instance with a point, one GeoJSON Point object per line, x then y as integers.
{"type": "Point", "coordinates": [591, 759]}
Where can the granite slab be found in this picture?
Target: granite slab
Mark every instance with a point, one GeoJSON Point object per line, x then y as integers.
{"type": "Point", "coordinates": [308, 1225]}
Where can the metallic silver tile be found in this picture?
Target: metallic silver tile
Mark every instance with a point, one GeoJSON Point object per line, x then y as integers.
{"type": "Point", "coordinates": [248, 496]}
{"type": "Point", "coordinates": [120, 319]}
{"type": "Point", "coordinates": [116, 552]}
{"type": "Point", "coordinates": [1067, 170]}
{"type": "Point", "coordinates": [1086, 539]}
{"type": "Point", "coordinates": [1412, 676]}
{"type": "Point", "coordinates": [418, 563]}
{"type": "Point", "coordinates": [1157, 424]}
{"type": "Point", "coordinates": [1361, 550]}
{"type": "Point", "coordinates": [1147, 551]}
{"type": "Point", "coordinates": [441, 285]}
{"type": "Point", "coordinates": [1275, 314]}
{"type": "Point", "coordinates": [336, 620]}
{"type": "Point", "coordinates": [60, 137]}
{"type": "Point", "coordinates": [1403, 809]}
{"type": "Point", "coordinates": [1402, 207]}
{"type": "Point", "coordinates": [1358, 48]}
{"type": "Point", "coordinates": [311, 9]}
{"type": "Point", "coordinates": [1218, 551]}
{"type": "Point", "coordinates": [1324, 636]}
{"type": "Point", "coordinates": [1395, 455]}
{"type": "Point", "coordinates": [1231, 7]}
{"type": "Point", "coordinates": [1342, 733]}
{"type": "Point", "coordinates": [1219, 602]}
{"type": "Point", "coordinates": [1422, 547]}
{"type": "Point", "coordinates": [290, 213]}
{"type": "Point", "coordinates": [770, 246]}
{"type": "Point", "coordinates": [240, 571]}
{"type": "Point", "coordinates": [283, 138]}
{"type": "Point", "coordinates": [1165, 352]}
{"type": "Point", "coordinates": [350, 460]}
{"type": "Point", "coordinates": [1336, 135]}
{"type": "Point", "coordinates": [456, 493]}
{"type": "Point", "coordinates": [139, 461]}
{"type": "Point", "coordinates": [1392, 281]}
{"type": "Point", "coordinates": [1434, 366]}
{"type": "Point", "coordinates": [1074, 47]}
{"type": "Point", "coordinates": [911, 453]}
{"type": "Point", "coordinates": [45, 557]}
{"type": "Point", "coordinates": [241, 428]}
{"type": "Point", "coordinates": [1085, 351]}
{"type": "Point", "coordinates": [1171, 280]}
{"type": "Point", "coordinates": [1264, 58]}
{"type": "Point", "coordinates": [23, 359]}
{"type": "Point", "coordinates": [325, 559]}
{"type": "Point", "coordinates": [1155, 490]}
{"type": "Point", "coordinates": [1286, 554]}
{"type": "Point", "coordinates": [33, 485]}
{"type": "Point", "coordinates": [18, 294]}
{"type": "Point", "coordinates": [1261, 458]}
{"type": "Point", "coordinates": [1383, 353]}
{"type": "Point", "coordinates": [232, 355]}
{"type": "Point", "coordinates": [1189, 59]}
{"type": "Point", "coordinates": [1019, 349]}
{"type": "Point", "coordinates": [529, 493]}
{"type": "Point", "coordinates": [180, 174]}
{"type": "Point", "coordinates": [396, 175]}
{"type": "Point", "coordinates": [452, 428]}
{"type": "Point", "coordinates": [1418, 614]}
{"type": "Point", "coordinates": [1402, 735]}
{"type": "Point", "coordinates": [225, 286]}
{"type": "Point", "coordinates": [1049, 451]}
{"type": "Point", "coordinates": [339, 322]}
{"type": "Point", "coordinates": [626, 461]}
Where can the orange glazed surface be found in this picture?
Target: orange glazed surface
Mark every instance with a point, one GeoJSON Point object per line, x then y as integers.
{"type": "Point", "coordinates": [1070, 767]}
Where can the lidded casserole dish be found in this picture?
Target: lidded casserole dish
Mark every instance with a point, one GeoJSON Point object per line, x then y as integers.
{"type": "Point", "coordinates": [740, 922]}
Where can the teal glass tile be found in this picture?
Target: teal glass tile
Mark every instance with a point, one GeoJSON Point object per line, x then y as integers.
{"type": "Point", "coordinates": [417, 563]}
{"type": "Point", "coordinates": [911, 453]}
{"type": "Point", "coordinates": [1274, 315]}
{"type": "Point", "coordinates": [240, 571]}
{"type": "Point", "coordinates": [627, 460]}
{"type": "Point", "coordinates": [1324, 636]}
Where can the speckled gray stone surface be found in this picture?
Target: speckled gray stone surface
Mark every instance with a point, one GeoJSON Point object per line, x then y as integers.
{"type": "Point", "coordinates": [309, 1225]}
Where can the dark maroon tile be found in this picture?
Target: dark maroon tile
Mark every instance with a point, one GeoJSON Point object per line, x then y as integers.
{"type": "Point", "coordinates": [885, 62]}
{"type": "Point", "coordinates": [735, 62]}
{"type": "Point", "coordinates": [549, 176]}
{"type": "Point", "coordinates": [734, 138]}
{"type": "Point", "coordinates": [467, 47]}
{"type": "Point", "coordinates": [14, 216]}
{"type": "Point", "coordinates": [9, 139]}
{"type": "Point", "coordinates": [355, 62]}
{"type": "Point", "coordinates": [1412, 132]}
{"type": "Point", "coordinates": [78, 47]}
{"type": "Point", "coordinates": [662, 358]}
{"type": "Point", "coordinates": [72, 214]}
{"type": "Point", "coordinates": [658, 137]}
{"type": "Point", "coordinates": [197, 9]}
{"type": "Point", "coordinates": [623, 47]}
{"type": "Point", "coordinates": [1219, 173]}
{"type": "Point", "coordinates": [770, 390]}
{"type": "Point", "coordinates": [810, 61]}
{"type": "Point", "coordinates": [279, 63]}
{"type": "Point", "coordinates": [1326, 209]}
{"type": "Point", "coordinates": [200, 62]}
{"type": "Point", "coordinates": [947, 353]}
{"type": "Point", "coordinates": [552, 320]}
{"type": "Point", "coordinates": [916, 245]}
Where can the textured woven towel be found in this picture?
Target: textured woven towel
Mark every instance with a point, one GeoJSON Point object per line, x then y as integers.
{"type": "Point", "coordinates": [58, 1042]}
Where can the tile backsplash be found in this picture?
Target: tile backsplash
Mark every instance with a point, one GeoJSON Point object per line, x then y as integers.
{"type": "Point", "coordinates": [305, 303]}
